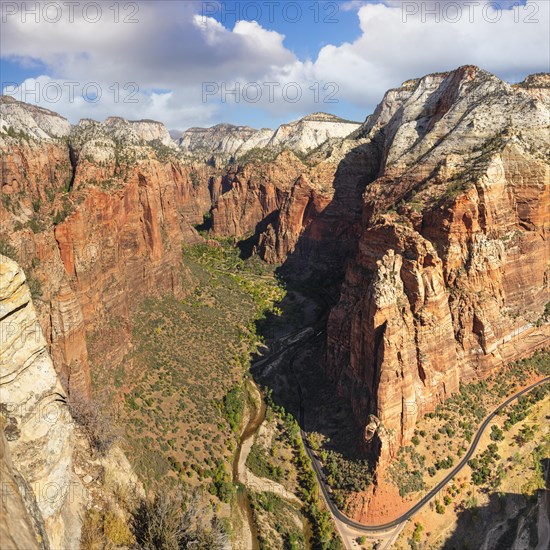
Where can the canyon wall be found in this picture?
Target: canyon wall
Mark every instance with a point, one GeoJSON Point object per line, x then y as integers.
{"type": "Point", "coordinates": [96, 214]}
{"type": "Point", "coordinates": [451, 275]}
{"type": "Point", "coordinates": [435, 214]}
{"type": "Point", "coordinates": [41, 494]}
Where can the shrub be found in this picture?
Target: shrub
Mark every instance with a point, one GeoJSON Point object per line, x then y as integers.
{"type": "Point", "coordinates": [496, 433]}
{"type": "Point", "coordinates": [36, 225]}
{"type": "Point", "coordinates": [6, 249]}
{"type": "Point", "coordinates": [105, 530]}
{"type": "Point", "coordinates": [233, 404]}
{"type": "Point", "coordinates": [35, 286]}
{"type": "Point", "coordinates": [116, 530]}
{"type": "Point", "coordinates": [169, 522]}
{"type": "Point", "coordinates": [97, 426]}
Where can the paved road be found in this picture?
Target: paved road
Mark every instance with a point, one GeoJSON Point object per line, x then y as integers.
{"type": "Point", "coordinates": [392, 527]}
{"type": "Point", "coordinates": [431, 494]}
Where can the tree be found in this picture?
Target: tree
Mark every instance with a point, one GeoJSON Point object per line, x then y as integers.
{"type": "Point", "coordinates": [496, 433]}
{"type": "Point", "coordinates": [96, 423]}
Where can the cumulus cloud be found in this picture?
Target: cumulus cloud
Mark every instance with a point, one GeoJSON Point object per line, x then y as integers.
{"type": "Point", "coordinates": [168, 50]}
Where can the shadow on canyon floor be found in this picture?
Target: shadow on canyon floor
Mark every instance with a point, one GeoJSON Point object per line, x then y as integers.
{"type": "Point", "coordinates": [503, 522]}
{"type": "Point", "coordinates": [313, 273]}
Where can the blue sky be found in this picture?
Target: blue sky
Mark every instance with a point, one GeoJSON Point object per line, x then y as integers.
{"type": "Point", "coordinates": [172, 60]}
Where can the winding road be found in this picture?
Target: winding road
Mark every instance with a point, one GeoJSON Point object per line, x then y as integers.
{"type": "Point", "coordinates": [431, 494]}
{"type": "Point", "coordinates": [390, 530]}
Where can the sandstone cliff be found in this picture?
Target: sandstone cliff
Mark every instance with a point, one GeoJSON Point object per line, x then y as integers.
{"type": "Point", "coordinates": [436, 210]}
{"type": "Point", "coordinates": [22, 530]}
{"type": "Point", "coordinates": [40, 491]}
{"type": "Point", "coordinates": [96, 214]}
{"type": "Point", "coordinates": [450, 278]}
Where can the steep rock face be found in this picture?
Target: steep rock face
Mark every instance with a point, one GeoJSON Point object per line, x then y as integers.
{"type": "Point", "coordinates": [144, 130]}
{"type": "Point", "coordinates": [37, 423]}
{"type": "Point", "coordinates": [98, 218]}
{"type": "Point", "coordinates": [16, 525]}
{"type": "Point", "coordinates": [254, 192]}
{"type": "Point", "coordinates": [17, 117]}
{"type": "Point", "coordinates": [223, 140]}
{"type": "Point", "coordinates": [451, 273]}
{"type": "Point", "coordinates": [301, 211]}
{"type": "Point", "coordinates": [311, 131]}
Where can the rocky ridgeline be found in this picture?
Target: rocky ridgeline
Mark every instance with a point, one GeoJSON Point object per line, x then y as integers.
{"type": "Point", "coordinates": [225, 142]}
{"type": "Point", "coordinates": [18, 118]}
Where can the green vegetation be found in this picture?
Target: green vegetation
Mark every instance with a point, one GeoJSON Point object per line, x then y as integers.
{"type": "Point", "coordinates": [406, 471]}
{"type": "Point", "coordinates": [195, 179]}
{"type": "Point", "coordinates": [349, 476]}
{"type": "Point", "coordinates": [260, 464]}
{"type": "Point", "coordinates": [18, 134]}
{"type": "Point", "coordinates": [253, 276]}
{"type": "Point", "coordinates": [416, 537]}
{"type": "Point", "coordinates": [183, 401]}
{"type": "Point", "coordinates": [222, 486]}
{"type": "Point", "coordinates": [35, 286]}
{"type": "Point", "coordinates": [36, 225]}
{"type": "Point", "coordinates": [233, 405]}
{"type": "Point", "coordinates": [453, 423]}
{"type": "Point", "coordinates": [526, 434]}
{"type": "Point", "coordinates": [6, 249]}
{"type": "Point", "coordinates": [280, 514]}
{"type": "Point", "coordinates": [439, 507]}
{"type": "Point", "coordinates": [259, 155]}
{"type": "Point", "coordinates": [519, 410]}
{"type": "Point", "coordinates": [496, 433]}
{"type": "Point", "coordinates": [323, 535]}
{"type": "Point", "coordinates": [483, 466]}
{"type": "Point", "coordinates": [105, 529]}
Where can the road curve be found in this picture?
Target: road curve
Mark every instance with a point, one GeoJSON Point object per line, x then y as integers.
{"type": "Point", "coordinates": [422, 502]}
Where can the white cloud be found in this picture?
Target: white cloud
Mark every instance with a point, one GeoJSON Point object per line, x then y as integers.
{"type": "Point", "coordinates": [173, 49]}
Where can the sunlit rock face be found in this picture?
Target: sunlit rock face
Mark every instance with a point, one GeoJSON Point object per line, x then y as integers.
{"type": "Point", "coordinates": [97, 213]}
{"type": "Point", "coordinates": [451, 275]}
{"type": "Point", "coordinates": [37, 458]}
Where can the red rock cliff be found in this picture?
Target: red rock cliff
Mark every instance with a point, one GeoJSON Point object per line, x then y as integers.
{"type": "Point", "coordinates": [451, 274]}
{"type": "Point", "coordinates": [98, 224]}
